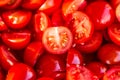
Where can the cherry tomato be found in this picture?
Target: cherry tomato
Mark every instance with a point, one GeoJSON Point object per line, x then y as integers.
{"type": "Point", "coordinates": [117, 11]}
{"type": "Point", "coordinates": [57, 40]}
{"type": "Point", "coordinates": [16, 19]}
{"type": "Point", "coordinates": [101, 14]}
{"type": "Point", "coordinates": [91, 45]}
{"type": "Point", "coordinates": [81, 26]}
{"type": "Point", "coordinates": [21, 72]}
{"type": "Point", "coordinates": [77, 72]}
{"type": "Point", "coordinates": [49, 6]}
{"type": "Point", "coordinates": [4, 2]}
{"type": "Point", "coordinates": [74, 57]}
{"type": "Point", "coordinates": [112, 74]}
{"type": "Point", "coordinates": [3, 26]}
{"type": "Point", "coordinates": [32, 53]}
{"type": "Point", "coordinates": [109, 54]}
{"type": "Point", "coordinates": [70, 6]}
{"type": "Point", "coordinates": [32, 4]}
{"type": "Point", "coordinates": [52, 66]}
{"type": "Point", "coordinates": [7, 59]}
{"type": "Point", "coordinates": [45, 78]}
{"type": "Point", "coordinates": [113, 32]}
{"type": "Point", "coordinates": [16, 39]}
{"type": "Point", "coordinates": [12, 4]}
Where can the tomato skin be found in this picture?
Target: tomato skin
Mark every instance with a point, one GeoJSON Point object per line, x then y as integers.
{"type": "Point", "coordinates": [3, 26]}
{"type": "Point", "coordinates": [117, 11]}
{"type": "Point", "coordinates": [7, 59]}
{"type": "Point", "coordinates": [49, 6]}
{"type": "Point", "coordinates": [16, 19]}
{"type": "Point", "coordinates": [101, 14]}
{"type": "Point", "coordinates": [91, 45]}
{"type": "Point", "coordinates": [4, 2]}
{"type": "Point", "coordinates": [45, 78]}
{"type": "Point", "coordinates": [54, 68]}
{"type": "Point", "coordinates": [21, 72]}
{"type": "Point", "coordinates": [57, 40]}
{"type": "Point", "coordinates": [16, 39]}
{"type": "Point", "coordinates": [32, 4]}
{"type": "Point", "coordinates": [32, 53]}
{"type": "Point", "coordinates": [109, 54]}
{"type": "Point", "coordinates": [81, 26]}
{"type": "Point", "coordinates": [113, 32]}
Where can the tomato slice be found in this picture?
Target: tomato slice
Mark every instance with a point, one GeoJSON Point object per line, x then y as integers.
{"type": "Point", "coordinates": [81, 26]}
{"type": "Point", "coordinates": [57, 40]}
{"type": "Point", "coordinates": [114, 33]}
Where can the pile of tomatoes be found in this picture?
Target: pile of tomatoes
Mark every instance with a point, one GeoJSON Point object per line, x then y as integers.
{"type": "Point", "coordinates": [59, 39]}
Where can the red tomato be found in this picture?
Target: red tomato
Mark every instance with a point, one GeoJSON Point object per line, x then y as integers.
{"type": "Point", "coordinates": [16, 39]}
{"type": "Point", "coordinates": [21, 72]}
{"type": "Point", "coordinates": [57, 40]}
{"type": "Point", "coordinates": [117, 12]}
{"type": "Point", "coordinates": [2, 74]}
{"type": "Point", "coordinates": [112, 74]}
{"type": "Point", "coordinates": [114, 33]}
{"type": "Point", "coordinates": [32, 53]}
{"type": "Point", "coordinates": [114, 3]}
{"type": "Point", "coordinates": [45, 78]}
{"type": "Point", "coordinates": [17, 19]}
{"type": "Point", "coordinates": [32, 4]}
{"type": "Point", "coordinates": [49, 6]}
{"type": "Point", "coordinates": [70, 6]}
{"type": "Point", "coordinates": [74, 57]}
{"type": "Point", "coordinates": [101, 14]}
{"type": "Point", "coordinates": [4, 2]}
{"type": "Point", "coordinates": [52, 66]}
{"type": "Point", "coordinates": [12, 4]}
{"type": "Point", "coordinates": [7, 59]}
{"type": "Point", "coordinates": [81, 26]}
{"type": "Point", "coordinates": [109, 54]}
{"type": "Point", "coordinates": [91, 45]}
{"type": "Point", "coordinates": [97, 68]}
{"type": "Point", "coordinates": [3, 26]}
{"type": "Point", "coordinates": [41, 22]}
{"type": "Point", "coordinates": [77, 72]}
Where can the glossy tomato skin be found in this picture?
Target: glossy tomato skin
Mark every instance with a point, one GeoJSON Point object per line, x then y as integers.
{"type": "Point", "coordinates": [7, 59]}
{"type": "Point", "coordinates": [91, 45]}
{"type": "Point", "coordinates": [101, 14]}
{"type": "Point", "coordinates": [57, 40]}
{"type": "Point", "coordinates": [109, 54]}
{"type": "Point", "coordinates": [32, 4]}
{"type": "Point", "coordinates": [112, 74]}
{"type": "Point", "coordinates": [3, 26]}
{"type": "Point", "coordinates": [49, 6]}
{"type": "Point", "coordinates": [113, 32]}
{"type": "Point", "coordinates": [32, 53]}
{"type": "Point", "coordinates": [81, 26]}
{"type": "Point", "coordinates": [54, 68]}
{"type": "Point", "coordinates": [16, 39]}
{"type": "Point", "coordinates": [41, 23]}
{"type": "Point", "coordinates": [16, 19]}
{"type": "Point", "coordinates": [21, 72]}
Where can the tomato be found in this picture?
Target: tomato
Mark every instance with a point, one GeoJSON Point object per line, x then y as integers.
{"type": "Point", "coordinates": [32, 4]}
{"type": "Point", "coordinates": [21, 72]}
{"type": "Point", "coordinates": [81, 26]}
{"type": "Point", "coordinates": [52, 66]}
{"type": "Point", "coordinates": [57, 40]}
{"type": "Point", "coordinates": [7, 59]}
{"type": "Point", "coordinates": [49, 6]}
{"type": "Point", "coordinates": [113, 32]}
{"type": "Point", "coordinates": [12, 4]}
{"type": "Point", "coordinates": [16, 19]}
{"type": "Point", "coordinates": [74, 57]}
{"type": "Point", "coordinates": [3, 26]}
{"type": "Point", "coordinates": [101, 14]}
{"type": "Point", "coordinates": [97, 68]}
{"type": "Point", "coordinates": [45, 78]}
{"type": "Point", "coordinates": [117, 11]}
{"type": "Point", "coordinates": [77, 72]}
{"type": "Point", "coordinates": [32, 53]}
{"type": "Point", "coordinates": [114, 3]}
{"type": "Point", "coordinates": [70, 6]}
{"type": "Point", "coordinates": [4, 2]}
{"type": "Point", "coordinates": [109, 54]}
{"type": "Point", "coordinates": [91, 45]}
{"type": "Point", "coordinates": [112, 74]}
{"type": "Point", "coordinates": [41, 22]}
{"type": "Point", "coordinates": [16, 39]}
